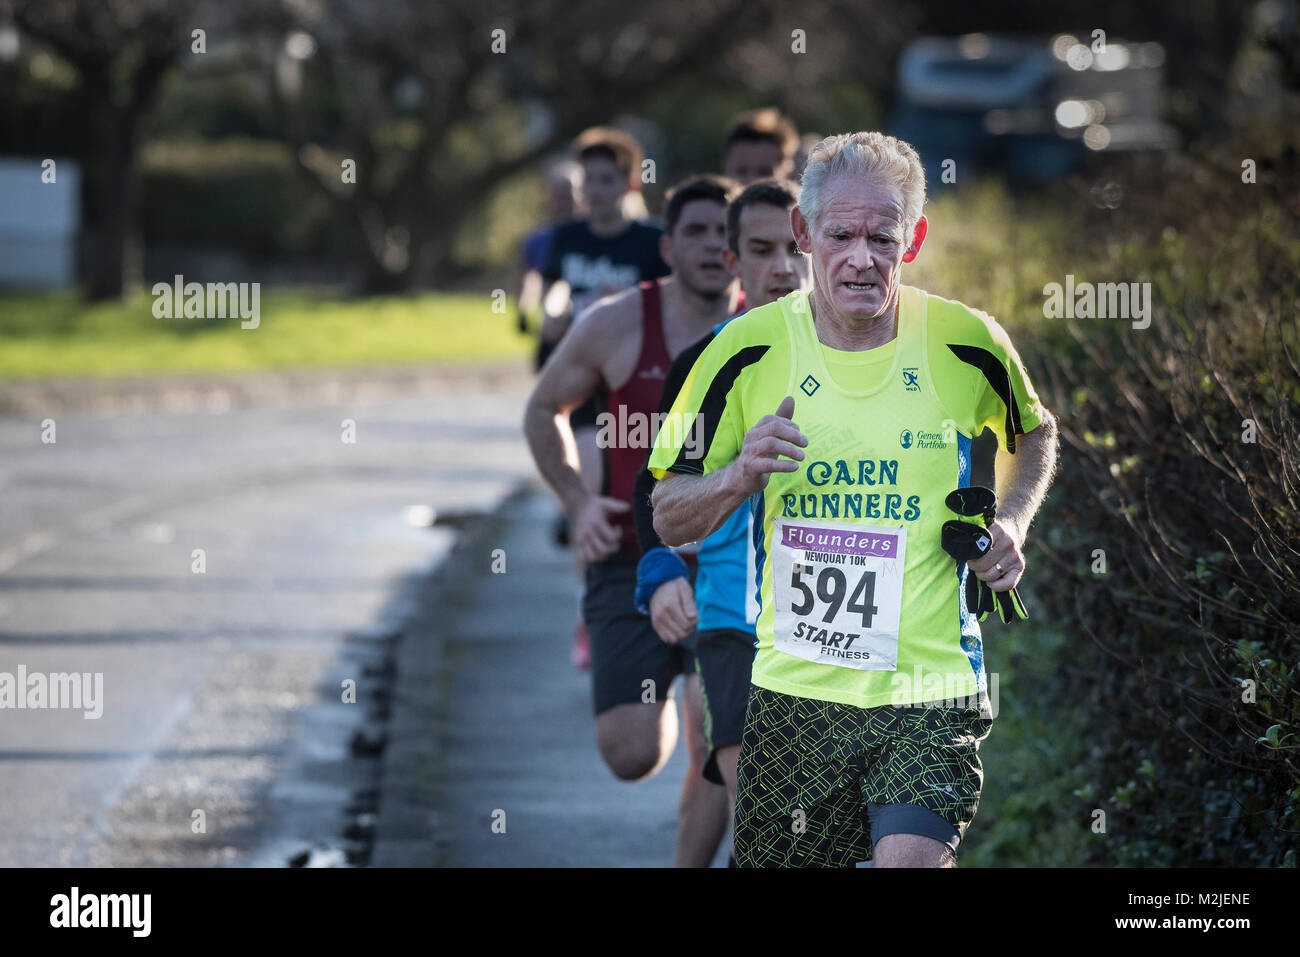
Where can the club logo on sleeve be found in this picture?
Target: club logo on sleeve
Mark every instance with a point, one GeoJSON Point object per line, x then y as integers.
{"type": "Point", "coordinates": [910, 381]}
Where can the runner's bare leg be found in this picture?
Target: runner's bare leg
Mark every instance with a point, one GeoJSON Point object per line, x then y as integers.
{"type": "Point", "coordinates": [911, 850]}
{"type": "Point", "coordinates": [636, 740]}
{"type": "Point", "coordinates": [702, 812]}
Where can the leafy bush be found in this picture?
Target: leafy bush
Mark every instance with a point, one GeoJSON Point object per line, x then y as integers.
{"type": "Point", "coordinates": [1164, 570]}
{"type": "Point", "coordinates": [1173, 532]}
{"type": "Point", "coordinates": [1186, 473]}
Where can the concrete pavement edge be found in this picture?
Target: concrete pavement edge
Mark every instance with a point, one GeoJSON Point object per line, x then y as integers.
{"type": "Point", "coordinates": [406, 826]}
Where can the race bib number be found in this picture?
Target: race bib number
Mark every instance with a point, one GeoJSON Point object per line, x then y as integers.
{"type": "Point", "coordinates": [838, 593]}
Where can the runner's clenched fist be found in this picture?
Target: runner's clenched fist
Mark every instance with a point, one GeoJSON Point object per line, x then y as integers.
{"type": "Point", "coordinates": [672, 610]}
{"type": "Point", "coordinates": [760, 454]}
{"type": "Point", "coordinates": [1003, 564]}
{"type": "Point", "coordinates": [594, 535]}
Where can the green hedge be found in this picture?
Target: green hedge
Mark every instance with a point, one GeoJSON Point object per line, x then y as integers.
{"type": "Point", "coordinates": [1182, 467]}
{"type": "Point", "coordinates": [1127, 735]}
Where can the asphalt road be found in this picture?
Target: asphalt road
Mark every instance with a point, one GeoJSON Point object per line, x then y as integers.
{"type": "Point", "coordinates": [224, 737]}
{"type": "Point", "coordinates": [522, 784]}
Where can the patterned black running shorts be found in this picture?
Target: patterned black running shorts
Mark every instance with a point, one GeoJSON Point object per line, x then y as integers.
{"type": "Point", "coordinates": [819, 783]}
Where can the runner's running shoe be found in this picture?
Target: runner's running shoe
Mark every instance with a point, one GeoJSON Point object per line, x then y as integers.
{"type": "Point", "coordinates": [580, 654]}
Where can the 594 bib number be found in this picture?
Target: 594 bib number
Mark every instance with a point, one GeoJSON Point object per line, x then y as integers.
{"type": "Point", "coordinates": [838, 593]}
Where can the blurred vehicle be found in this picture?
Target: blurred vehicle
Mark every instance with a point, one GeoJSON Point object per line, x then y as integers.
{"type": "Point", "coordinates": [1032, 107]}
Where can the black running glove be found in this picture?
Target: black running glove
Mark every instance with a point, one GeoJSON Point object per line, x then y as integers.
{"type": "Point", "coordinates": [967, 540]}
{"type": "Point", "coordinates": [964, 542]}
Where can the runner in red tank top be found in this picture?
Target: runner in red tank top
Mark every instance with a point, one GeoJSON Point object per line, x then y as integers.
{"type": "Point", "coordinates": [622, 347]}
{"type": "Point", "coordinates": [635, 401]}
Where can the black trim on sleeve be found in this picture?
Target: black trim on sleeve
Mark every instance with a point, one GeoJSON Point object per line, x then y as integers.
{"type": "Point", "coordinates": [714, 402]}
{"type": "Point", "coordinates": [996, 374]}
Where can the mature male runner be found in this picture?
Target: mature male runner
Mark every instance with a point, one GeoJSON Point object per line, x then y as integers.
{"type": "Point", "coordinates": [623, 348]}
{"type": "Point", "coordinates": [589, 258]}
{"type": "Point", "coordinates": [852, 749]}
{"type": "Point", "coordinates": [760, 144]}
{"type": "Point", "coordinates": [723, 606]}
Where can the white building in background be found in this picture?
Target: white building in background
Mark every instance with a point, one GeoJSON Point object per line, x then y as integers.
{"type": "Point", "coordinates": [39, 223]}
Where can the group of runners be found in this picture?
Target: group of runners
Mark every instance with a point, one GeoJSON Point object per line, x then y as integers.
{"type": "Point", "coordinates": [757, 435]}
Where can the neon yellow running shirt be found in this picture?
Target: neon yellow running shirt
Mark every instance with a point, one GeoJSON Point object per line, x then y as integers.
{"type": "Point", "coordinates": [860, 604]}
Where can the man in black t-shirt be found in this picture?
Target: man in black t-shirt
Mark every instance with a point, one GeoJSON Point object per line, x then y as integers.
{"type": "Point", "coordinates": [595, 266]}
{"type": "Point", "coordinates": [606, 252]}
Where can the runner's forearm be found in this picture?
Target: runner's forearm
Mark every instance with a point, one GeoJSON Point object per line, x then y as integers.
{"type": "Point", "coordinates": [557, 312]}
{"type": "Point", "coordinates": [1022, 479]}
{"type": "Point", "coordinates": [687, 508]}
{"type": "Point", "coordinates": [550, 439]}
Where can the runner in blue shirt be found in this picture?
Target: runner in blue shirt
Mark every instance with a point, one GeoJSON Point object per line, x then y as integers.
{"type": "Point", "coordinates": [723, 607]}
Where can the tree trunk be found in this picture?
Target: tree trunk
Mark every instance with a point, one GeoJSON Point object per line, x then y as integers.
{"type": "Point", "coordinates": [112, 261]}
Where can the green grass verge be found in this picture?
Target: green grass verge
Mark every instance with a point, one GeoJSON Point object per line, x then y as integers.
{"type": "Point", "coordinates": [51, 334]}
